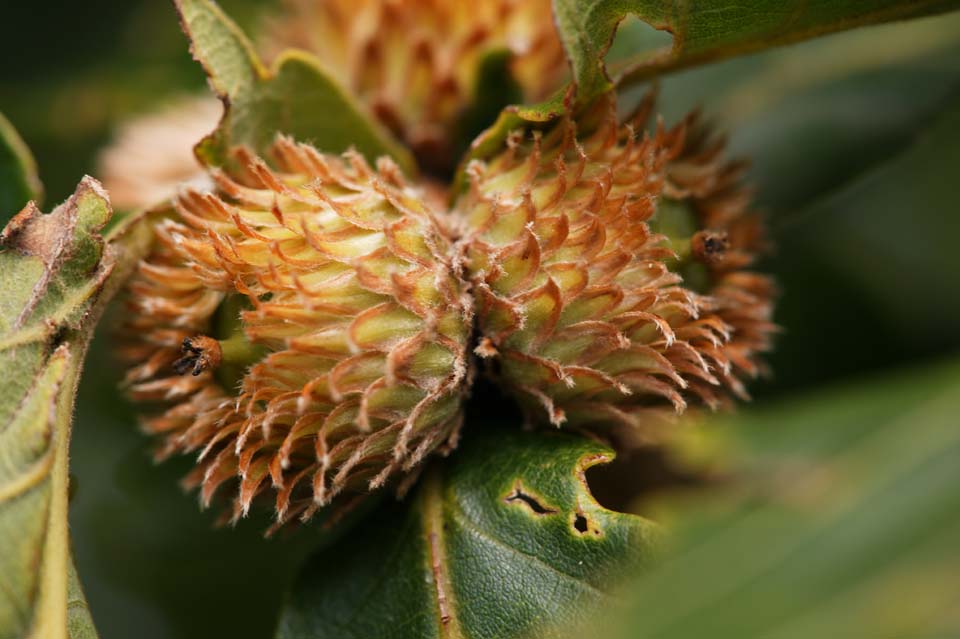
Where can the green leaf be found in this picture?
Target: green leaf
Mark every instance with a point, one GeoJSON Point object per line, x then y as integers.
{"type": "Point", "coordinates": [494, 89]}
{"type": "Point", "coordinates": [57, 277]}
{"type": "Point", "coordinates": [503, 541]}
{"type": "Point", "coordinates": [812, 117]}
{"type": "Point", "coordinates": [296, 97]}
{"type": "Point", "coordinates": [706, 33]}
{"type": "Point", "coordinates": [879, 247]}
{"type": "Point", "coordinates": [19, 182]}
{"type": "Point", "coordinates": [843, 522]}
{"type": "Point", "coordinates": [587, 29]}
{"type": "Point", "coordinates": [723, 29]}
{"type": "Point", "coordinates": [512, 117]}
{"type": "Point", "coordinates": [79, 622]}
{"type": "Point", "coordinates": [893, 230]}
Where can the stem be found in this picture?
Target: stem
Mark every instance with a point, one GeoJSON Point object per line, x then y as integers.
{"type": "Point", "coordinates": [237, 350]}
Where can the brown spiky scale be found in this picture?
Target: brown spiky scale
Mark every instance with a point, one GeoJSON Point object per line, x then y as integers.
{"type": "Point", "coordinates": [583, 304]}
{"type": "Point", "coordinates": [356, 317]}
{"type": "Point", "coordinates": [414, 63]}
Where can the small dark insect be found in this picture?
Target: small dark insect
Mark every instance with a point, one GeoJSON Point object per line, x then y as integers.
{"type": "Point", "coordinates": [710, 247]}
{"type": "Point", "coordinates": [199, 354]}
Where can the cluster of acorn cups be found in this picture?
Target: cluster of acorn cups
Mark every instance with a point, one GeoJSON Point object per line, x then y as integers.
{"type": "Point", "coordinates": [312, 324]}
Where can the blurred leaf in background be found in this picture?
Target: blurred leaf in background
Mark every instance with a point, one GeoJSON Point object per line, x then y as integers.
{"type": "Point", "coordinates": [840, 518]}
{"type": "Point", "coordinates": [702, 34]}
{"type": "Point", "coordinates": [285, 98]}
{"type": "Point", "coordinates": [70, 87]}
{"type": "Point", "coordinates": [19, 182]}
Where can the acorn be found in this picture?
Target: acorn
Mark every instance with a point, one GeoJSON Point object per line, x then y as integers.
{"type": "Point", "coordinates": [415, 63]}
{"type": "Point", "coordinates": [303, 330]}
{"type": "Point", "coordinates": [611, 270]}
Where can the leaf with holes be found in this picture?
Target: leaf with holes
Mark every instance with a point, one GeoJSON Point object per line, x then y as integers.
{"type": "Point", "coordinates": [57, 278]}
{"type": "Point", "coordinates": [817, 116]}
{"type": "Point", "coordinates": [18, 172]}
{"type": "Point", "coordinates": [503, 541]}
{"type": "Point", "coordinates": [700, 35]}
{"type": "Point", "coordinates": [704, 34]}
{"type": "Point", "coordinates": [296, 97]}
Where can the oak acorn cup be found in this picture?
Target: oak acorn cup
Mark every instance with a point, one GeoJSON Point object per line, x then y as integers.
{"type": "Point", "coordinates": [610, 272]}
{"type": "Point", "coordinates": [334, 293]}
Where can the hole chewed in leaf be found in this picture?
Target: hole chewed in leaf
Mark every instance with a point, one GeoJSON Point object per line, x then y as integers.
{"type": "Point", "coordinates": [580, 524]}
{"type": "Point", "coordinates": [469, 558]}
{"type": "Point", "coordinates": [636, 40]}
{"type": "Point", "coordinates": [584, 524]}
{"type": "Point", "coordinates": [522, 496]}
{"type": "Point", "coordinates": [635, 480]}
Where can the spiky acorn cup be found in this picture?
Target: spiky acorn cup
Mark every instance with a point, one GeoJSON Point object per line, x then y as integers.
{"type": "Point", "coordinates": [414, 63]}
{"type": "Point", "coordinates": [609, 270]}
{"type": "Point", "coordinates": [318, 324]}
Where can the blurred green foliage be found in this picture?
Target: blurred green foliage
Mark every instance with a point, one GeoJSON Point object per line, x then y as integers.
{"type": "Point", "coordinates": [839, 517]}
{"type": "Point", "coordinates": [19, 182]}
{"type": "Point", "coordinates": [65, 88]}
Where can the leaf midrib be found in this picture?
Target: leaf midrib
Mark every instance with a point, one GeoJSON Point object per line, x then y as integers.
{"type": "Point", "coordinates": [431, 510]}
